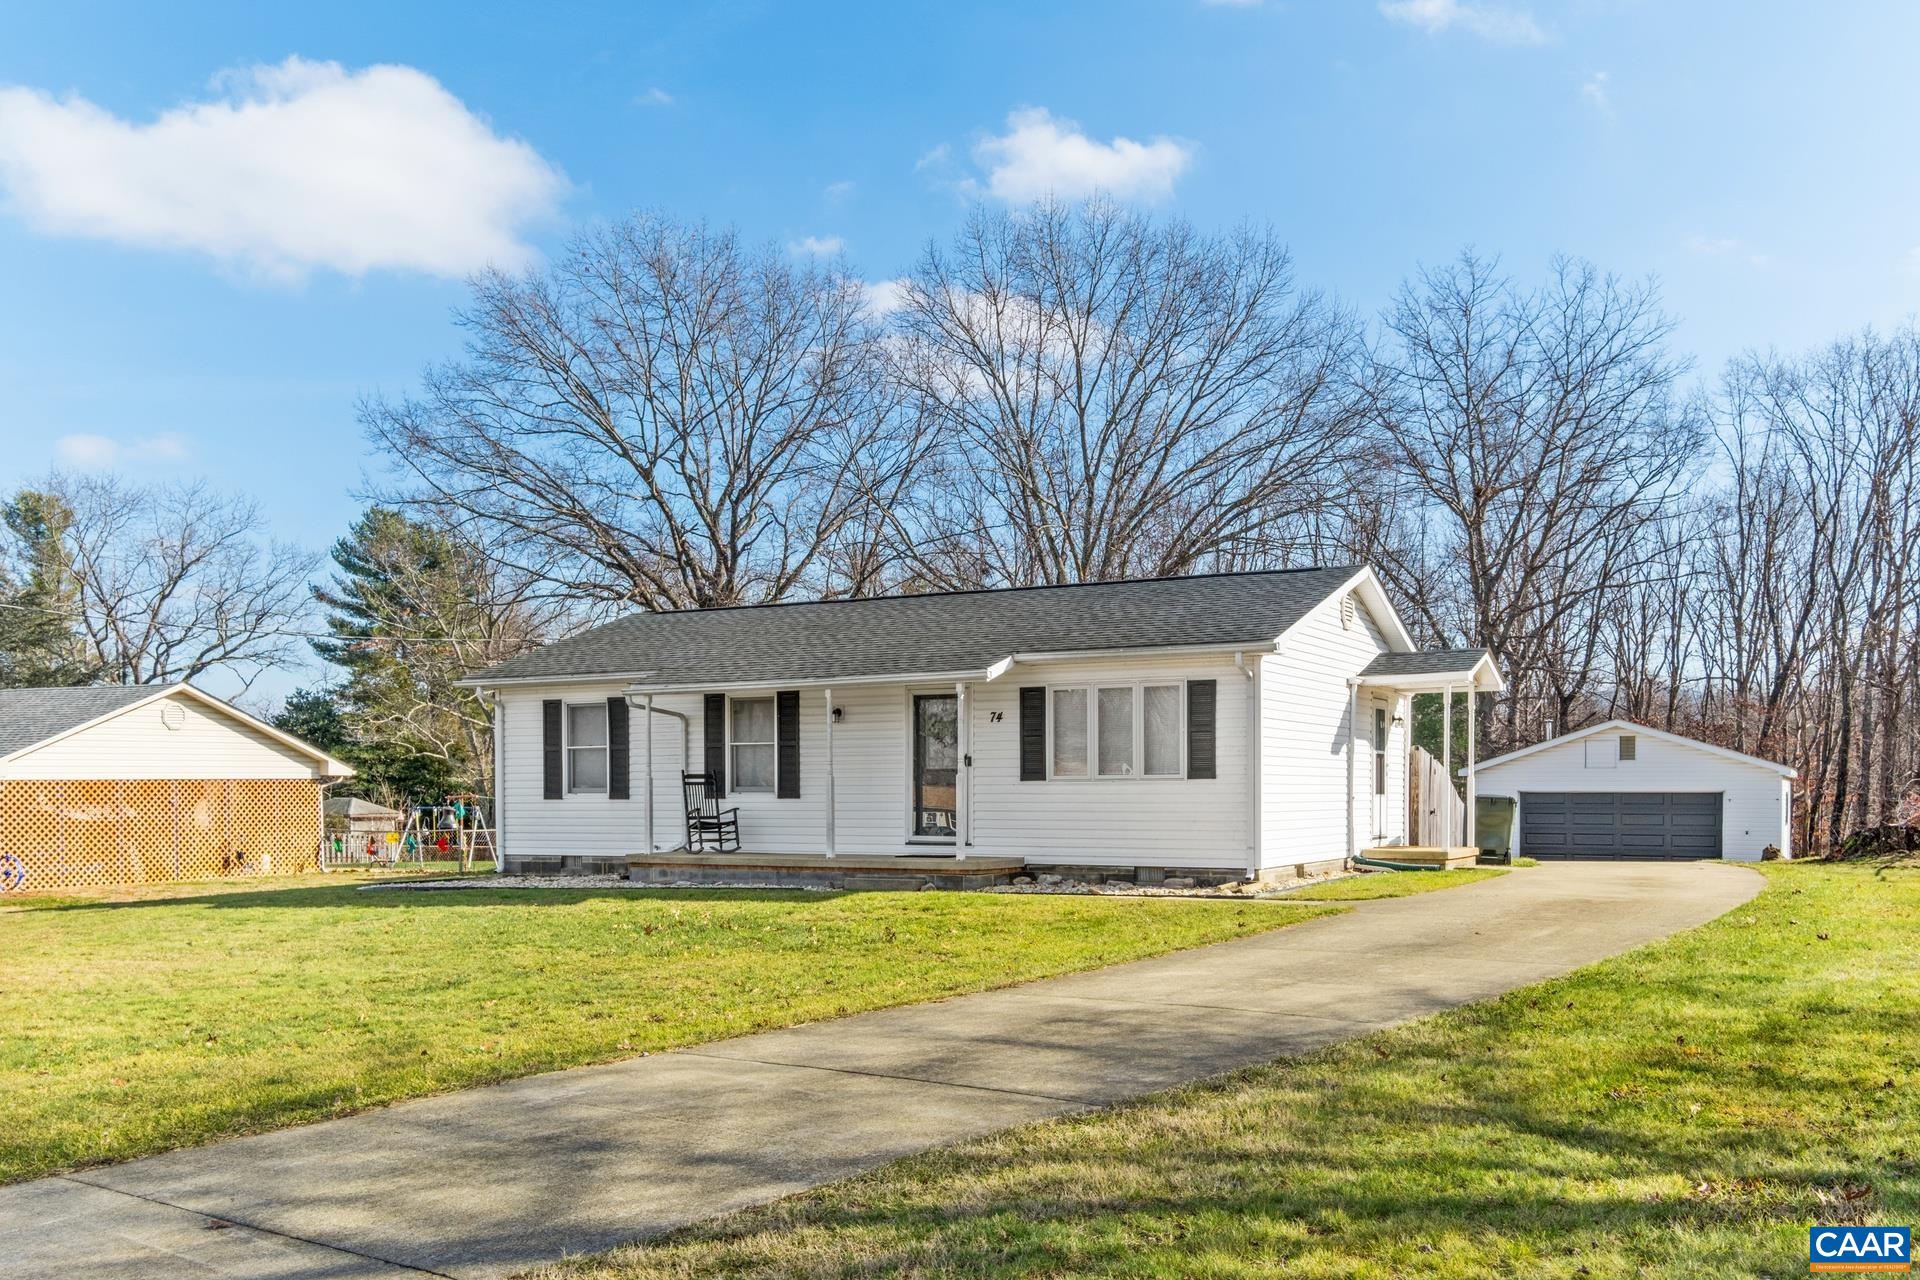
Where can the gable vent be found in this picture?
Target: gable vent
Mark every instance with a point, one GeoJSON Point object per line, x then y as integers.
{"type": "Point", "coordinates": [1628, 746]}
{"type": "Point", "coordinates": [1349, 611]}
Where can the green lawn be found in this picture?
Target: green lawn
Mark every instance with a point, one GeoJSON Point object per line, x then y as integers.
{"type": "Point", "coordinates": [1391, 884]}
{"type": "Point", "coordinates": [135, 1026]}
{"type": "Point", "coordinates": [1685, 1110]}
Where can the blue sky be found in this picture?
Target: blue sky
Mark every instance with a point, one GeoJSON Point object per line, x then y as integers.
{"type": "Point", "coordinates": [210, 297]}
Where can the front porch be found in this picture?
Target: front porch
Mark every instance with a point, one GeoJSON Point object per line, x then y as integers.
{"type": "Point", "coordinates": [824, 871]}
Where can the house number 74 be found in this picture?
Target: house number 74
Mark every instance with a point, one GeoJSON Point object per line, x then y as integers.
{"type": "Point", "coordinates": [994, 717]}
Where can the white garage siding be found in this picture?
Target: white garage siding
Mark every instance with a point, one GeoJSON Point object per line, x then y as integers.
{"type": "Point", "coordinates": [1142, 821]}
{"type": "Point", "coordinates": [1755, 797]}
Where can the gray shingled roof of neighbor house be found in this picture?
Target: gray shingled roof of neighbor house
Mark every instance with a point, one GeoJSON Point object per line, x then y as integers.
{"type": "Point", "coordinates": [1435, 662]}
{"type": "Point", "coordinates": [29, 716]}
{"type": "Point", "coordinates": [933, 634]}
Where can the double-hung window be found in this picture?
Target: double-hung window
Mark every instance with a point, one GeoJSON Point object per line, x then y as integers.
{"type": "Point", "coordinates": [1118, 731]}
{"type": "Point", "coordinates": [753, 754]}
{"type": "Point", "coordinates": [587, 747]}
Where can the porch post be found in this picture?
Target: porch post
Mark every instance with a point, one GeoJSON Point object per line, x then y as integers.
{"type": "Point", "coordinates": [1353, 750]}
{"type": "Point", "coordinates": [1446, 748]}
{"type": "Point", "coordinates": [1473, 819]}
{"type": "Point", "coordinates": [646, 806]}
{"type": "Point", "coordinates": [829, 773]}
{"type": "Point", "coordinates": [962, 776]}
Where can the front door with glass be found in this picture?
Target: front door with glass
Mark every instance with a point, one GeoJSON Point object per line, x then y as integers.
{"type": "Point", "coordinates": [936, 764]}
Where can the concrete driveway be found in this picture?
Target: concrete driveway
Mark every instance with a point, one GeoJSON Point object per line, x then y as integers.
{"type": "Point", "coordinates": [492, 1181]}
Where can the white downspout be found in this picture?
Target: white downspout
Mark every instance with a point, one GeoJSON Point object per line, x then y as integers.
{"type": "Point", "coordinates": [645, 703]}
{"type": "Point", "coordinates": [1353, 716]}
{"type": "Point", "coordinates": [647, 776]}
{"type": "Point", "coordinates": [830, 850]}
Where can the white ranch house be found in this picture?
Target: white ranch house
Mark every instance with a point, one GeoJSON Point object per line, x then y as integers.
{"type": "Point", "coordinates": [1219, 727]}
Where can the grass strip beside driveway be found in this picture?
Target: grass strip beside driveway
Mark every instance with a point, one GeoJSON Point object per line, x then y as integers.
{"type": "Point", "coordinates": [1684, 1110]}
{"type": "Point", "coordinates": [1391, 884]}
{"type": "Point", "coordinates": [137, 1027]}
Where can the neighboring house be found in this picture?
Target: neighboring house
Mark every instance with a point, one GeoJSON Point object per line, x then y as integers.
{"type": "Point", "coordinates": [1220, 726]}
{"type": "Point", "coordinates": [1622, 790]}
{"type": "Point", "coordinates": [358, 831]}
{"type": "Point", "coordinates": [125, 785]}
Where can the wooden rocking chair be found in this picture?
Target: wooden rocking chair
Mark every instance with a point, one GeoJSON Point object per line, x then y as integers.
{"type": "Point", "coordinates": [709, 827]}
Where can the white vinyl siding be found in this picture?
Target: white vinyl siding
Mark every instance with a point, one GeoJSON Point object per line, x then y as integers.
{"type": "Point", "coordinates": [1308, 744]}
{"type": "Point", "coordinates": [137, 743]}
{"type": "Point", "coordinates": [1167, 821]}
{"type": "Point", "coordinates": [1753, 813]}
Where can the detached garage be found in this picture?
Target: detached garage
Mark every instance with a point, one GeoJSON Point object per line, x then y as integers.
{"type": "Point", "coordinates": [1623, 791]}
{"type": "Point", "coordinates": [129, 785]}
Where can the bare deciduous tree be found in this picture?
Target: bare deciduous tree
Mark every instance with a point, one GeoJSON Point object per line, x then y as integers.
{"type": "Point", "coordinates": [169, 582]}
{"type": "Point", "coordinates": [664, 418]}
{"type": "Point", "coordinates": [1529, 439]}
{"type": "Point", "coordinates": [1117, 398]}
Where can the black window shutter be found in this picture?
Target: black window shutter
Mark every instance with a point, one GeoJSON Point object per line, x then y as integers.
{"type": "Point", "coordinates": [1033, 734]}
{"type": "Point", "coordinates": [715, 741]}
{"type": "Point", "coordinates": [1200, 728]}
{"type": "Point", "coordinates": [786, 744]}
{"type": "Point", "coordinates": [617, 749]}
{"type": "Point", "coordinates": [553, 778]}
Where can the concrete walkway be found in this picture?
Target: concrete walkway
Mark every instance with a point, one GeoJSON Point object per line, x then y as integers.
{"type": "Point", "coordinates": [492, 1181]}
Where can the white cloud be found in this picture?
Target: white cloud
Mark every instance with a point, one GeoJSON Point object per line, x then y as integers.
{"type": "Point", "coordinates": [654, 97]}
{"type": "Point", "coordinates": [835, 192]}
{"type": "Point", "coordinates": [884, 297]}
{"type": "Point", "coordinates": [1489, 22]}
{"type": "Point", "coordinates": [1596, 93]}
{"type": "Point", "coordinates": [288, 169]}
{"type": "Point", "coordinates": [1041, 155]}
{"type": "Point", "coordinates": [816, 246]}
{"type": "Point", "coordinates": [97, 453]}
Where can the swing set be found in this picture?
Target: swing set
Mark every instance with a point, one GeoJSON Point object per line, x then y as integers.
{"type": "Point", "coordinates": [459, 825]}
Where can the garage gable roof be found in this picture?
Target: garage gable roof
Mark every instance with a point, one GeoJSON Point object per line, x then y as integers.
{"type": "Point", "coordinates": [1628, 726]}
{"type": "Point", "coordinates": [34, 718]}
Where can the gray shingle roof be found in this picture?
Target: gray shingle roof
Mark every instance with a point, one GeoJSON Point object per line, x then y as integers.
{"type": "Point", "coordinates": [948, 632]}
{"type": "Point", "coordinates": [28, 716]}
{"type": "Point", "coordinates": [1434, 662]}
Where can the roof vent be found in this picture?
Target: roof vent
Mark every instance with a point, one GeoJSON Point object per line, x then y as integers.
{"type": "Point", "coordinates": [1349, 611]}
{"type": "Point", "coordinates": [173, 715]}
{"type": "Point", "coordinates": [1628, 746]}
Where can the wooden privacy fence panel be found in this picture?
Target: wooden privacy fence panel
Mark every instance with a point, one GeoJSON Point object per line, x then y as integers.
{"type": "Point", "coordinates": [73, 833]}
{"type": "Point", "coordinates": [1437, 816]}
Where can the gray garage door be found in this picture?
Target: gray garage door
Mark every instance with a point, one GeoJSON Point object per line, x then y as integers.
{"type": "Point", "coordinates": [1620, 824]}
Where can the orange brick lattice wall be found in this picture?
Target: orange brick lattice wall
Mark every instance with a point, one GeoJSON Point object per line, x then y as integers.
{"type": "Point", "coordinates": [75, 833]}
